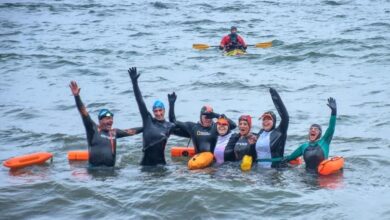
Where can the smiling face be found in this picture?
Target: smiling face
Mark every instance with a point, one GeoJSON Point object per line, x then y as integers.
{"type": "Point", "coordinates": [267, 123]}
{"type": "Point", "coordinates": [106, 123]}
{"type": "Point", "coordinates": [222, 128]}
{"type": "Point", "coordinates": [314, 133]}
{"type": "Point", "coordinates": [159, 114]}
{"type": "Point", "coordinates": [244, 128]}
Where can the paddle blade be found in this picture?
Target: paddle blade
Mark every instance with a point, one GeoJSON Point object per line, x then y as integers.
{"type": "Point", "coordinates": [264, 45]}
{"type": "Point", "coordinates": [200, 46]}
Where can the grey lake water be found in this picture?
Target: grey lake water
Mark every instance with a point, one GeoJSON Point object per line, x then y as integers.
{"type": "Point", "coordinates": [320, 49]}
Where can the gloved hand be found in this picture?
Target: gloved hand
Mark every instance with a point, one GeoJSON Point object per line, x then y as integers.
{"type": "Point", "coordinates": [220, 47]}
{"type": "Point", "coordinates": [133, 73]}
{"type": "Point", "coordinates": [284, 162]}
{"type": "Point", "coordinates": [222, 116]}
{"type": "Point", "coordinates": [211, 115]}
{"type": "Point", "coordinates": [332, 105]}
{"type": "Point", "coordinates": [172, 98]}
{"type": "Point", "coordinates": [244, 47]}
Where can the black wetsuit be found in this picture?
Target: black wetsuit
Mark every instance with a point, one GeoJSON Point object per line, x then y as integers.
{"type": "Point", "coordinates": [238, 147]}
{"type": "Point", "coordinates": [101, 143]}
{"type": "Point", "coordinates": [203, 138]}
{"type": "Point", "coordinates": [155, 133]}
{"type": "Point", "coordinates": [277, 135]}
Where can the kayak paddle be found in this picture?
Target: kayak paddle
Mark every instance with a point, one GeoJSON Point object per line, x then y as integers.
{"type": "Point", "coordinates": [258, 45]}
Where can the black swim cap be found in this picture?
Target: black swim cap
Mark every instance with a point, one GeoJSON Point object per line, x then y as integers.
{"type": "Point", "coordinates": [233, 28]}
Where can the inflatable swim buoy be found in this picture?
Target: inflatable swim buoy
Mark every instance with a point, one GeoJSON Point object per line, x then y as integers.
{"type": "Point", "coordinates": [200, 161]}
{"type": "Point", "coordinates": [332, 165]}
{"type": "Point", "coordinates": [246, 163]}
{"type": "Point", "coordinates": [27, 160]}
{"type": "Point", "coordinates": [78, 155]}
{"type": "Point", "coordinates": [182, 151]}
{"type": "Point", "coordinates": [297, 161]}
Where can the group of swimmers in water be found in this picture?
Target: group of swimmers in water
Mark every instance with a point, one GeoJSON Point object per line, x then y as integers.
{"type": "Point", "coordinates": [212, 133]}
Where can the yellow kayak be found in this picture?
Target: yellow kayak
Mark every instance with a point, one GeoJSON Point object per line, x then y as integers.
{"type": "Point", "coordinates": [235, 52]}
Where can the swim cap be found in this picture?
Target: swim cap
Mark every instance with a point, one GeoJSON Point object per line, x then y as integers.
{"type": "Point", "coordinates": [233, 28]}
{"type": "Point", "coordinates": [158, 104]}
{"type": "Point", "coordinates": [319, 128]}
{"type": "Point", "coordinates": [271, 115]}
{"type": "Point", "coordinates": [104, 113]}
{"type": "Point", "coordinates": [222, 121]}
{"type": "Point", "coordinates": [206, 109]}
{"type": "Point", "coordinates": [246, 118]}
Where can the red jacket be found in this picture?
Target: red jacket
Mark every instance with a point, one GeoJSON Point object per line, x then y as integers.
{"type": "Point", "coordinates": [226, 41]}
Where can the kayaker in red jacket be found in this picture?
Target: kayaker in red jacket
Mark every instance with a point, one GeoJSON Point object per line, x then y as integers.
{"type": "Point", "coordinates": [232, 41]}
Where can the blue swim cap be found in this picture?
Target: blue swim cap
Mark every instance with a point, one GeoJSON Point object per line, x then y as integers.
{"type": "Point", "coordinates": [158, 104]}
{"type": "Point", "coordinates": [104, 113]}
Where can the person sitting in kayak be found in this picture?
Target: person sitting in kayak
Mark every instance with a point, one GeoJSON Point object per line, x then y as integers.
{"type": "Point", "coordinates": [317, 149]}
{"type": "Point", "coordinates": [242, 143]}
{"type": "Point", "coordinates": [224, 134]}
{"type": "Point", "coordinates": [102, 137]}
{"type": "Point", "coordinates": [156, 130]}
{"type": "Point", "coordinates": [204, 133]}
{"type": "Point", "coordinates": [271, 138]}
{"type": "Point", "coordinates": [232, 41]}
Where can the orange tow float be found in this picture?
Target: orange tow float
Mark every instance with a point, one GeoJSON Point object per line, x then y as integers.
{"type": "Point", "coordinates": [332, 165]}
{"type": "Point", "coordinates": [200, 161]}
{"type": "Point", "coordinates": [297, 161]}
{"type": "Point", "coordinates": [27, 160]}
{"type": "Point", "coordinates": [78, 155]}
{"type": "Point", "coordinates": [182, 151]}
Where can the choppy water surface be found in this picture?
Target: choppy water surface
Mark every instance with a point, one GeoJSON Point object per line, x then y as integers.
{"type": "Point", "coordinates": [321, 49]}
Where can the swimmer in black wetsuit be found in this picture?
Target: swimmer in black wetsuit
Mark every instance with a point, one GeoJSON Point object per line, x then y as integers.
{"type": "Point", "coordinates": [203, 134]}
{"type": "Point", "coordinates": [101, 138]}
{"type": "Point", "coordinates": [156, 130]}
{"type": "Point", "coordinates": [242, 143]}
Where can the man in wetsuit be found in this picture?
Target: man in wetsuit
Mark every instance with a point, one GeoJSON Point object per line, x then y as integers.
{"type": "Point", "coordinates": [232, 41]}
{"type": "Point", "coordinates": [102, 137]}
{"type": "Point", "coordinates": [317, 149]}
{"type": "Point", "coordinates": [203, 134]}
{"type": "Point", "coordinates": [156, 130]}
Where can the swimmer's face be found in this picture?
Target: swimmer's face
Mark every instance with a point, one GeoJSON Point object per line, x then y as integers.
{"type": "Point", "coordinates": [314, 133]}
{"type": "Point", "coordinates": [159, 114]}
{"type": "Point", "coordinates": [106, 123]}
{"type": "Point", "coordinates": [233, 31]}
{"type": "Point", "coordinates": [267, 123]}
{"type": "Point", "coordinates": [222, 128]}
{"type": "Point", "coordinates": [206, 121]}
{"type": "Point", "coordinates": [244, 128]}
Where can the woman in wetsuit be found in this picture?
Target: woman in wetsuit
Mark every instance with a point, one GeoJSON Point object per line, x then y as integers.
{"type": "Point", "coordinates": [224, 135]}
{"type": "Point", "coordinates": [156, 130]}
{"type": "Point", "coordinates": [317, 149]}
{"type": "Point", "coordinates": [203, 134]}
{"type": "Point", "coordinates": [242, 143]}
{"type": "Point", "coordinates": [101, 138]}
{"type": "Point", "coordinates": [271, 139]}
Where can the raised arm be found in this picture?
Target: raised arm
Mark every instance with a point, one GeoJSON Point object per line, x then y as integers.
{"type": "Point", "coordinates": [332, 122]}
{"type": "Point", "coordinates": [137, 93]}
{"type": "Point", "coordinates": [88, 122]}
{"type": "Point", "coordinates": [128, 132]}
{"type": "Point", "coordinates": [283, 126]}
{"type": "Point", "coordinates": [181, 129]}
